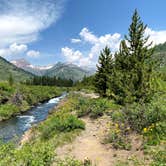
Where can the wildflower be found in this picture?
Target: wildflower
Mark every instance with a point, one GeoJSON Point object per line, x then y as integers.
{"type": "Point", "coordinates": [116, 125]}
{"type": "Point", "coordinates": [145, 130]}
{"type": "Point", "coordinates": [117, 131]}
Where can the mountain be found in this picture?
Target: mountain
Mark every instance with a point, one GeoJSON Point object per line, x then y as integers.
{"type": "Point", "coordinates": [160, 53]}
{"type": "Point", "coordinates": [62, 70]}
{"type": "Point", "coordinates": [25, 65]}
{"type": "Point", "coordinates": [7, 68]}
{"type": "Point", "coordinates": [67, 71]}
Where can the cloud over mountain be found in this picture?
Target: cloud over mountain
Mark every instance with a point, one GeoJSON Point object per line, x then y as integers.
{"type": "Point", "coordinates": [96, 43]}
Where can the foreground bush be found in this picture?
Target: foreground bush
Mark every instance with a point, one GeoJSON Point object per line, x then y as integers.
{"type": "Point", "coordinates": [60, 123]}
{"type": "Point", "coordinates": [92, 107]}
{"type": "Point", "coordinates": [39, 154]}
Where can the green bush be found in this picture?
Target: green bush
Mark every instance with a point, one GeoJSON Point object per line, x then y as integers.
{"type": "Point", "coordinates": [69, 162]}
{"type": "Point", "coordinates": [118, 136]}
{"type": "Point", "coordinates": [39, 154]}
{"type": "Point", "coordinates": [61, 123]}
{"type": "Point", "coordinates": [82, 107]}
{"type": "Point", "coordinates": [8, 110]}
{"type": "Point", "coordinates": [92, 107]}
{"type": "Point", "coordinates": [118, 116]}
{"type": "Point", "coordinates": [159, 158]}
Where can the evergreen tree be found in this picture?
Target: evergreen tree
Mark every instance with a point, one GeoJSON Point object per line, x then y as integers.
{"type": "Point", "coordinates": [11, 80]}
{"type": "Point", "coordinates": [103, 70]}
{"type": "Point", "coordinates": [134, 63]}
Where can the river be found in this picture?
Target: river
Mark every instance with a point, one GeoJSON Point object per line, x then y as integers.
{"type": "Point", "coordinates": [14, 128]}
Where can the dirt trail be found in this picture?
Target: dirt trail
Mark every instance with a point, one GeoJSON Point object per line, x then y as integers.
{"type": "Point", "coordinates": [89, 144]}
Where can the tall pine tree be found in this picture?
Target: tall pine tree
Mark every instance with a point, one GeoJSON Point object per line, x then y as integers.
{"type": "Point", "coordinates": [134, 63]}
{"type": "Point", "coordinates": [103, 71]}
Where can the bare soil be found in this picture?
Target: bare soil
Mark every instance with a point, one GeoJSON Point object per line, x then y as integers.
{"type": "Point", "coordinates": [89, 145]}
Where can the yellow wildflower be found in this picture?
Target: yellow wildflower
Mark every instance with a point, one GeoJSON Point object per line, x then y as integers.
{"type": "Point", "coordinates": [116, 125]}
{"type": "Point", "coordinates": [145, 130]}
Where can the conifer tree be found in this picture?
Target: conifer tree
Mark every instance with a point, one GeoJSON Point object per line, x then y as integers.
{"type": "Point", "coordinates": [134, 62]}
{"type": "Point", "coordinates": [11, 80]}
{"type": "Point", "coordinates": [103, 70]}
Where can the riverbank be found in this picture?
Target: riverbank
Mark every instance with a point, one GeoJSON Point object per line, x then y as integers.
{"type": "Point", "coordinates": [17, 99]}
{"type": "Point", "coordinates": [83, 131]}
{"type": "Point", "coordinates": [60, 127]}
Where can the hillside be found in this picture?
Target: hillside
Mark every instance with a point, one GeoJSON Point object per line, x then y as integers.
{"type": "Point", "coordinates": [61, 70]}
{"type": "Point", "coordinates": [160, 53]}
{"type": "Point", "coordinates": [67, 71]}
{"type": "Point", "coordinates": [6, 68]}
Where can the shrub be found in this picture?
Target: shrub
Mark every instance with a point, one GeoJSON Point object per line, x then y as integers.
{"type": "Point", "coordinates": [61, 123]}
{"type": "Point", "coordinates": [69, 162]}
{"type": "Point", "coordinates": [118, 136]}
{"type": "Point", "coordinates": [39, 154]}
{"type": "Point", "coordinates": [154, 133]}
{"type": "Point", "coordinates": [159, 158]}
{"type": "Point", "coordinates": [92, 107]}
{"type": "Point", "coordinates": [7, 110]}
{"type": "Point", "coordinates": [118, 116]}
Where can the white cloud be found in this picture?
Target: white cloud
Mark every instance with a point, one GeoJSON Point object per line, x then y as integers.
{"type": "Point", "coordinates": [22, 21]}
{"type": "Point", "coordinates": [76, 57]}
{"type": "Point", "coordinates": [13, 49]}
{"type": "Point", "coordinates": [156, 37]}
{"type": "Point", "coordinates": [96, 43]}
{"type": "Point", "coordinates": [33, 54]}
{"type": "Point", "coordinates": [16, 49]}
{"type": "Point", "coordinates": [71, 55]}
{"type": "Point", "coordinates": [75, 40]}
{"type": "Point", "coordinates": [88, 36]}
{"type": "Point", "coordinates": [5, 52]}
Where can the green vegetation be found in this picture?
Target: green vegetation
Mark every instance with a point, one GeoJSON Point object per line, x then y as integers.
{"type": "Point", "coordinates": [61, 126]}
{"type": "Point", "coordinates": [8, 70]}
{"type": "Point", "coordinates": [61, 123]}
{"type": "Point", "coordinates": [103, 71]}
{"type": "Point", "coordinates": [86, 83]}
{"type": "Point", "coordinates": [127, 77]}
{"type": "Point", "coordinates": [73, 162]}
{"type": "Point", "coordinates": [49, 81]}
{"type": "Point", "coordinates": [92, 107]}
{"type": "Point", "coordinates": [133, 81]}
{"type": "Point", "coordinates": [17, 98]}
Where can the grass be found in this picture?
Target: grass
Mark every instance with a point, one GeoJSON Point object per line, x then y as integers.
{"type": "Point", "coordinates": [17, 98]}
{"type": "Point", "coordinates": [93, 108]}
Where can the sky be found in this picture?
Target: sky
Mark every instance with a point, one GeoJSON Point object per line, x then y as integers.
{"type": "Point", "coordinates": [45, 32]}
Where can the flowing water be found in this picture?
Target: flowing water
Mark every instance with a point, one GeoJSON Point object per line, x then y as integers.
{"type": "Point", "coordinates": [15, 127]}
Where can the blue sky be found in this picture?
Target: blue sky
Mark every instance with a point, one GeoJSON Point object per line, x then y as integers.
{"type": "Point", "coordinates": [47, 31]}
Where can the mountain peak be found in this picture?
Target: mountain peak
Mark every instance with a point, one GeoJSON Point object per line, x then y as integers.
{"type": "Point", "coordinates": [20, 62]}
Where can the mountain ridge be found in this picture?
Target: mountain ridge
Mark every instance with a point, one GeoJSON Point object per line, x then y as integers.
{"type": "Point", "coordinates": [62, 70]}
{"type": "Point", "coordinates": [7, 69]}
